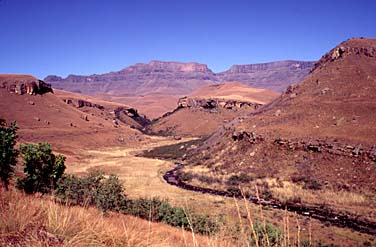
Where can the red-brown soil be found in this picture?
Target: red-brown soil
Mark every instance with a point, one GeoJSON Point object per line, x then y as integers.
{"type": "Point", "coordinates": [201, 121]}
{"type": "Point", "coordinates": [235, 91]}
{"type": "Point", "coordinates": [320, 134]}
{"type": "Point", "coordinates": [153, 105]}
{"type": "Point", "coordinates": [67, 127]}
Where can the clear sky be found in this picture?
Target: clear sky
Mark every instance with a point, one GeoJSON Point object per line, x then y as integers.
{"type": "Point", "coordinates": [62, 37]}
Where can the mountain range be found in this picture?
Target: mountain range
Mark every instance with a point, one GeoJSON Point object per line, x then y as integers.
{"type": "Point", "coordinates": [177, 78]}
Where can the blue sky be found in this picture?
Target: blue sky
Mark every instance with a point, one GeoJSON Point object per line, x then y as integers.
{"type": "Point", "coordinates": [62, 37]}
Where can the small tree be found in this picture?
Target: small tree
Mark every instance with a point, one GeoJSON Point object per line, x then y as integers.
{"type": "Point", "coordinates": [8, 155]}
{"type": "Point", "coordinates": [41, 167]}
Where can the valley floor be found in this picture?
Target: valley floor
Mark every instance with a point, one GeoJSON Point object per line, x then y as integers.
{"type": "Point", "coordinates": [143, 177]}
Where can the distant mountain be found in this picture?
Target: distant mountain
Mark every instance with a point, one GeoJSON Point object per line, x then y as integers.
{"type": "Point", "coordinates": [176, 78]}
{"type": "Point", "coordinates": [155, 77]}
{"type": "Point", "coordinates": [276, 76]}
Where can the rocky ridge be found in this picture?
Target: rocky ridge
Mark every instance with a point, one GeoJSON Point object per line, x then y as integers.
{"type": "Point", "coordinates": [211, 104]}
{"type": "Point", "coordinates": [120, 113]}
{"type": "Point", "coordinates": [178, 78]}
{"type": "Point", "coordinates": [321, 130]}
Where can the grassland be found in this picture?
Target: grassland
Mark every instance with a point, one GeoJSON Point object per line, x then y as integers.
{"type": "Point", "coordinates": [142, 177]}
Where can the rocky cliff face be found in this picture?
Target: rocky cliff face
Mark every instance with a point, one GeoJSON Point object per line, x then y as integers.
{"type": "Point", "coordinates": [213, 104]}
{"type": "Point", "coordinates": [154, 77]}
{"type": "Point", "coordinates": [182, 78]}
{"type": "Point", "coordinates": [275, 75]}
{"type": "Point", "coordinates": [24, 84]}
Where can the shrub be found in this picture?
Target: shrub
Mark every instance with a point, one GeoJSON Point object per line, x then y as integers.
{"type": "Point", "coordinates": [94, 189]}
{"type": "Point", "coordinates": [265, 192]}
{"type": "Point", "coordinates": [110, 194]}
{"type": "Point", "coordinates": [204, 224]}
{"type": "Point", "coordinates": [173, 216]}
{"type": "Point", "coordinates": [308, 183]}
{"type": "Point", "coordinates": [235, 180]}
{"type": "Point", "coordinates": [143, 208]}
{"type": "Point", "coordinates": [234, 191]}
{"type": "Point", "coordinates": [185, 176]}
{"type": "Point", "coordinates": [294, 200]}
{"type": "Point", "coordinates": [78, 191]}
{"type": "Point", "coordinates": [176, 216]}
{"type": "Point", "coordinates": [8, 155]}
{"type": "Point", "coordinates": [208, 180]}
{"type": "Point", "coordinates": [41, 167]}
{"type": "Point", "coordinates": [312, 184]}
{"type": "Point", "coordinates": [264, 232]}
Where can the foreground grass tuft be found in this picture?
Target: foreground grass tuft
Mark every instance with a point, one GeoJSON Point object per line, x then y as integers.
{"type": "Point", "coordinates": [30, 221]}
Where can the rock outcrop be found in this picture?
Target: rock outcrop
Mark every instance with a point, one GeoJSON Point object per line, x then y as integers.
{"type": "Point", "coordinates": [250, 137]}
{"type": "Point", "coordinates": [79, 103]}
{"type": "Point", "coordinates": [331, 147]}
{"type": "Point", "coordinates": [141, 120]}
{"type": "Point", "coordinates": [24, 84]}
{"type": "Point", "coordinates": [214, 103]}
{"type": "Point", "coordinates": [344, 50]}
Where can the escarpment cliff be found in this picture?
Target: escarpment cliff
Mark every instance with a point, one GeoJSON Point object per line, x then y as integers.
{"type": "Point", "coordinates": [178, 78]}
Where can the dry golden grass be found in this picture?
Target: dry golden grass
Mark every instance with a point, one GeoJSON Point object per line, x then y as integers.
{"type": "Point", "coordinates": [343, 198]}
{"type": "Point", "coordinates": [30, 221]}
{"type": "Point", "coordinates": [142, 177]}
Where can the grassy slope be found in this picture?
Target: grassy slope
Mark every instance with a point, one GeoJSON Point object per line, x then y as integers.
{"type": "Point", "coordinates": [30, 221]}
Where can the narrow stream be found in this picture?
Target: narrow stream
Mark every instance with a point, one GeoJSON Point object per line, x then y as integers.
{"type": "Point", "coordinates": [319, 213]}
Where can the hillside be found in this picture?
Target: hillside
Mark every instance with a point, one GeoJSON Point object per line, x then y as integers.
{"type": "Point", "coordinates": [66, 120]}
{"type": "Point", "coordinates": [234, 91]}
{"type": "Point", "coordinates": [153, 105]}
{"type": "Point", "coordinates": [44, 222]}
{"type": "Point", "coordinates": [316, 142]}
{"type": "Point", "coordinates": [206, 109]}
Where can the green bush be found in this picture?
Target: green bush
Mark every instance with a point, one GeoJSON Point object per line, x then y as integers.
{"type": "Point", "coordinates": [176, 216]}
{"type": "Point", "coordinates": [78, 191]}
{"type": "Point", "coordinates": [264, 233]}
{"type": "Point", "coordinates": [42, 168]}
{"type": "Point", "coordinates": [173, 216]}
{"type": "Point", "coordinates": [94, 189]}
{"type": "Point", "coordinates": [143, 208]}
{"type": "Point", "coordinates": [106, 194]}
{"type": "Point", "coordinates": [204, 224]}
{"type": "Point", "coordinates": [110, 194]}
{"type": "Point", "coordinates": [8, 154]}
